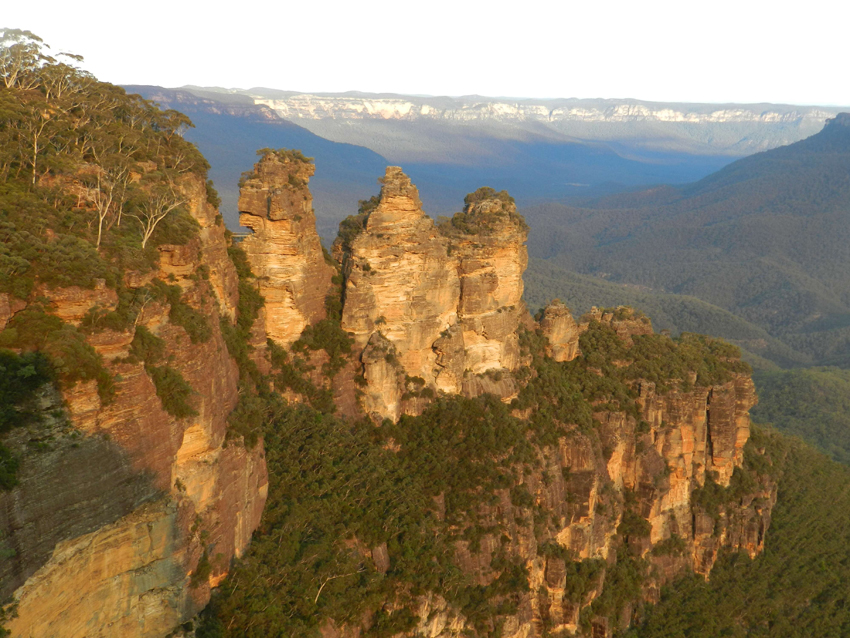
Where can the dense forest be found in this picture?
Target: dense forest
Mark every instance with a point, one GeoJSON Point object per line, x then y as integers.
{"type": "Point", "coordinates": [764, 238]}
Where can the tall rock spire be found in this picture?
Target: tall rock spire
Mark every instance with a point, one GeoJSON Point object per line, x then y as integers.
{"type": "Point", "coordinates": [284, 251]}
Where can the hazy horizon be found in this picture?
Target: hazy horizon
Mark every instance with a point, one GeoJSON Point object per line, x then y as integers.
{"type": "Point", "coordinates": [668, 52]}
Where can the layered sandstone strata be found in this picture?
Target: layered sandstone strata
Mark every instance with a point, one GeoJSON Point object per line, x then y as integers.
{"type": "Point", "coordinates": [400, 283]}
{"type": "Point", "coordinates": [284, 250]}
{"type": "Point", "coordinates": [489, 239]}
{"type": "Point", "coordinates": [561, 330]}
{"type": "Point", "coordinates": [111, 520]}
{"type": "Point", "coordinates": [651, 465]}
{"type": "Point", "coordinates": [448, 298]}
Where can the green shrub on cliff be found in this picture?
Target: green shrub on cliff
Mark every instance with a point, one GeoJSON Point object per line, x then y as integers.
{"type": "Point", "coordinates": [34, 330]}
{"type": "Point", "coordinates": [173, 390]}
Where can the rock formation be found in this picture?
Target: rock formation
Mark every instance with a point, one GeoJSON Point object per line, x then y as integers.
{"type": "Point", "coordinates": [284, 251]}
{"type": "Point", "coordinates": [126, 502]}
{"type": "Point", "coordinates": [592, 485]}
{"type": "Point", "coordinates": [489, 239]}
{"type": "Point", "coordinates": [141, 511]}
{"type": "Point", "coordinates": [560, 329]}
{"type": "Point", "coordinates": [448, 298]}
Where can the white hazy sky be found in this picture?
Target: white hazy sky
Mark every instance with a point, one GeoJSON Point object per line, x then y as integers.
{"type": "Point", "coordinates": [719, 51]}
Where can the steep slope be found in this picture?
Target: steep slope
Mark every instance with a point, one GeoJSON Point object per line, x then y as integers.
{"type": "Point", "coordinates": [505, 491]}
{"type": "Point", "coordinates": [798, 588]}
{"type": "Point", "coordinates": [122, 505]}
{"type": "Point", "coordinates": [765, 238]}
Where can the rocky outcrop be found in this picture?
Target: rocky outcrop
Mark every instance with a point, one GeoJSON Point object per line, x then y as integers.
{"type": "Point", "coordinates": [489, 239]}
{"type": "Point", "coordinates": [126, 502]}
{"type": "Point", "coordinates": [593, 486]}
{"type": "Point", "coordinates": [284, 250]}
{"type": "Point", "coordinates": [625, 321]}
{"type": "Point", "coordinates": [559, 327]}
{"type": "Point", "coordinates": [448, 298]}
{"type": "Point", "coordinates": [400, 281]}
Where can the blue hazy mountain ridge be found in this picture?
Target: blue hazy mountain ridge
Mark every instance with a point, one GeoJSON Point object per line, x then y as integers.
{"type": "Point", "coordinates": [536, 168]}
{"type": "Point", "coordinates": [766, 238]}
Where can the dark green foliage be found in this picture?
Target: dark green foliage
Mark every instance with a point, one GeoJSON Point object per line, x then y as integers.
{"type": "Point", "coordinates": [91, 135]}
{"type": "Point", "coordinates": [623, 581]}
{"type": "Point", "coordinates": [73, 359]}
{"type": "Point", "coordinates": [566, 394]}
{"type": "Point", "coordinates": [292, 374]}
{"type": "Point", "coordinates": [173, 390]}
{"type": "Point", "coordinates": [676, 313]}
{"type": "Point", "coordinates": [20, 378]}
{"type": "Point", "coordinates": [333, 480]}
{"type": "Point", "coordinates": [249, 417]}
{"type": "Point", "coordinates": [353, 225]}
{"type": "Point", "coordinates": [28, 256]}
{"type": "Point", "coordinates": [212, 195]}
{"type": "Point", "coordinates": [473, 222]}
{"type": "Point", "coordinates": [582, 577]}
{"type": "Point", "coordinates": [146, 346]}
{"type": "Point", "coordinates": [130, 303]}
{"type": "Point", "coordinates": [484, 193]}
{"type": "Point", "coordinates": [328, 335]}
{"type": "Point", "coordinates": [465, 449]}
{"type": "Point", "coordinates": [329, 480]}
{"type": "Point", "coordinates": [813, 404]}
{"type": "Point", "coordinates": [673, 546]}
{"type": "Point", "coordinates": [250, 299]}
{"type": "Point", "coordinates": [181, 314]}
{"type": "Point", "coordinates": [764, 239]}
{"type": "Point", "coordinates": [662, 360]}
{"type": "Point", "coordinates": [202, 571]}
{"type": "Point", "coordinates": [9, 464]}
{"type": "Point", "coordinates": [798, 588]}
{"type": "Point", "coordinates": [292, 155]}
{"type": "Point", "coordinates": [633, 525]}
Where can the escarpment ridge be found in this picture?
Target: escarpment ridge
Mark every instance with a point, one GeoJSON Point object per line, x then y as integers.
{"type": "Point", "coordinates": [619, 451]}
{"type": "Point", "coordinates": [377, 440]}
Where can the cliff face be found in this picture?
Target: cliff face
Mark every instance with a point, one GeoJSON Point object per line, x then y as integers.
{"type": "Point", "coordinates": [284, 251]}
{"type": "Point", "coordinates": [447, 299]}
{"type": "Point", "coordinates": [492, 259]}
{"type": "Point", "coordinates": [436, 310]}
{"type": "Point", "coordinates": [625, 458]}
{"type": "Point", "coordinates": [125, 502]}
{"type": "Point", "coordinates": [592, 487]}
{"type": "Point", "coordinates": [402, 287]}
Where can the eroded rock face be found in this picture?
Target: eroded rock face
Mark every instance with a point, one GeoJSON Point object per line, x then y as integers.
{"type": "Point", "coordinates": [400, 281]}
{"type": "Point", "coordinates": [111, 521]}
{"type": "Point", "coordinates": [284, 251]}
{"type": "Point", "coordinates": [684, 437]}
{"type": "Point", "coordinates": [489, 238]}
{"type": "Point", "coordinates": [561, 330]}
{"type": "Point", "coordinates": [449, 298]}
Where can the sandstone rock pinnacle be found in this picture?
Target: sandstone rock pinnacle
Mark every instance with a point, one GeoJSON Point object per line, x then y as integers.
{"type": "Point", "coordinates": [285, 252]}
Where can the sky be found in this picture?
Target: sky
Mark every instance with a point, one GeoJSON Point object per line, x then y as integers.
{"type": "Point", "coordinates": [721, 51]}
